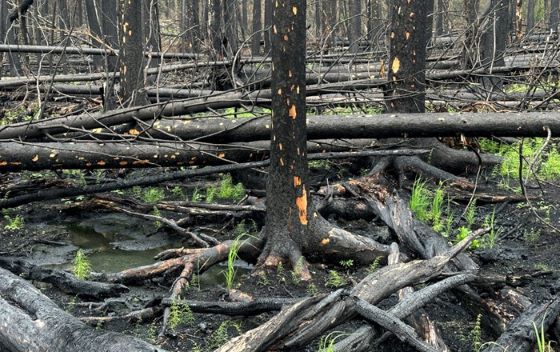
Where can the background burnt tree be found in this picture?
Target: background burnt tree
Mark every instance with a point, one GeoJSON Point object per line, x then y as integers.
{"type": "Point", "coordinates": [494, 40]}
{"type": "Point", "coordinates": [257, 27]}
{"type": "Point", "coordinates": [530, 19]}
{"type": "Point", "coordinates": [407, 55]}
{"type": "Point", "coordinates": [131, 54]}
{"type": "Point", "coordinates": [95, 29]}
{"type": "Point", "coordinates": [553, 19]}
{"type": "Point", "coordinates": [287, 215]}
{"type": "Point", "coordinates": [355, 26]}
{"type": "Point", "coordinates": [190, 25]}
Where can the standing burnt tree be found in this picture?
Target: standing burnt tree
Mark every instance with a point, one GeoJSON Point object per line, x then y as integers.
{"type": "Point", "coordinates": [407, 55]}
{"type": "Point", "coordinates": [287, 215]}
{"type": "Point", "coordinates": [131, 54]}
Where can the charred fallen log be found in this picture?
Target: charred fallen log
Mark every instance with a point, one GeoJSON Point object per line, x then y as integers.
{"type": "Point", "coordinates": [31, 322]}
{"type": "Point", "coordinates": [17, 156]}
{"type": "Point", "coordinates": [62, 280]}
{"type": "Point", "coordinates": [521, 335]}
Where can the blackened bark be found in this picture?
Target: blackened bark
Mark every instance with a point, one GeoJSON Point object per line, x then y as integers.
{"type": "Point", "coordinates": [151, 30]}
{"type": "Point", "coordinates": [216, 27]}
{"type": "Point", "coordinates": [439, 17]}
{"type": "Point", "coordinates": [109, 28]}
{"type": "Point", "coordinates": [257, 27]}
{"type": "Point", "coordinates": [230, 22]}
{"type": "Point", "coordinates": [355, 28]}
{"type": "Point", "coordinates": [407, 56]}
{"type": "Point", "coordinates": [287, 215]}
{"type": "Point", "coordinates": [267, 25]}
{"type": "Point", "coordinates": [530, 15]}
{"type": "Point", "coordinates": [20, 10]}
{"type": "Point", "coordinates": [31, 322]}
{"type": "Point", "coordinates": [94, 28]}
{"type": "Point", "coordinates": [131, 54]}
{"type": "Point", "coordinates": [553, 21]}
{"type": "Point", "coordinates": [190, 25]}
{"type": "Point", "coordinates": [494, 41]}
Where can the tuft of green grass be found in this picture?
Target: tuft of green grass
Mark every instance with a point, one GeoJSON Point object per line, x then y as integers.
{"type": "Point", "coordinates": [180, 313]}
{"type": "Point", "coordinates": [374, 265]}
{"type": "Point", "coordinates": [229, 190]}
{"type": "Point", "coordinates": [347, 264]}
{"type": "Point", "coordinates": [436, 209]}
{"type": "Point", "coordinates": [211, 193]}
{"type": "Point", "coordinates": [13, 223]}
{"type": "Point", "coordinates": [420, 200]}
{"type": "Point", "coordinates": [327, 343]}
{"type": "Point", "coordinates": [230, 272]}
{"type": "Point", "coordinates": [222, 334]}
{"type": "Point", "coordinates": [82, 266]}
{"type": "Point", "coordinates": [153, 195]}
{"type": "Point", "coordinates": [491, 238]}
{"type": "Point", "coordinates": [542, 344]}
{"type": "Point", "coordinates": [476, 334]}
{"type": "Point", "coordinates": [335, 280]}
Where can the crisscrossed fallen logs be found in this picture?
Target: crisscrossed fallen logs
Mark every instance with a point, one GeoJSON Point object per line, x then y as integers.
{"type": "Point", "coordinates": [299, 324]}
{"type": "Point", "coordinates": [62, 280]}
{"type": "Point", "coordinates": [56, 193]}
{"type": "Point", "coordinates": [363, 338]}
{"type": "Point", "coordinates": [391, 323]}
{"type": "Point", "coordinates": [31, 322]}
{"type": "Point", "coordinates": [520, 335]}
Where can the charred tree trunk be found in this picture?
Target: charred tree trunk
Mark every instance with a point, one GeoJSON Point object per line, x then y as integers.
{"type": "Point", "coordinates": [132, 57]}
{"type": "Point", "coordinates": [268, 25]}
{"type": "Point", "coordinates": [151, 30]}
{"type": "Point", "coordinates": [287, 215]}
{"type": "Point", "coordinates": [109, 28]}
{"type": "Point", "coordinates": [553, 21]}
{"type": "Point", "coordinates": [94, 28]}
{"type": "Point", "coordinates": [257, 28]}
{"type": "Point", "coordinates": [530, 16]}
{"type": "Point", "coordinates": [494, 41]}
{"type": "Point", "coordinates": [355, 28]}
{"type": "Point", "coordinates": [407, 56]}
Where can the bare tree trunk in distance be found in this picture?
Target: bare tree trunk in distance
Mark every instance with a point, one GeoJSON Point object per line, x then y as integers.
{"type": "Point", "coordinates": [257, 27]}
{"type": "Point", "coordinates": [530, 16]}
{"type": "Point", "coordinates": [131, 54]}
{"type": "Point", "coordinates": [407, 55]}
{"type": "Point", "coordinates": [553, 20]}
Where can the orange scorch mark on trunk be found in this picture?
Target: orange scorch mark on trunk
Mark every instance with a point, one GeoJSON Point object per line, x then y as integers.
{"type": "Point", "coordinates": [297, 181]}
{"type": "Point", "coordinates": [301, 203]}
{"type": "Point", "coordinates": [293, 112]}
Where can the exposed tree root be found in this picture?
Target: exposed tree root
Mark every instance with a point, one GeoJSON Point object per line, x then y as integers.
{"type": "Point", "coordinates": [298, 325]}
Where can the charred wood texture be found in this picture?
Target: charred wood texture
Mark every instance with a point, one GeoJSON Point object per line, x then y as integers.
{"type": "Point", "coordinates": [62, 280]}
{"type": "Point", "coordinates": [31, 322]}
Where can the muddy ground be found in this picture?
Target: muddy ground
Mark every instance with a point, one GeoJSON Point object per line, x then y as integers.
{"type": "Point", "coordinates": [53, 231]}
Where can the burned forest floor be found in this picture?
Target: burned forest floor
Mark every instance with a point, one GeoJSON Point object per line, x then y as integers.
{"type": "Point", "coordinates": [108, 233]}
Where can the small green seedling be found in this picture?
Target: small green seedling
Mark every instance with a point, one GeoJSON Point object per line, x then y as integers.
{"type": "Point", "coordinates": [82, 266]}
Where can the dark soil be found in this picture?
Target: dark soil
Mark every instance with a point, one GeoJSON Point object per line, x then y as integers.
{"type": "Point", "coordinates": [525, 246]}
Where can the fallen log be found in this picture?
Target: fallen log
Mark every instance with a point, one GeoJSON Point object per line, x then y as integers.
{"type": "Point", "coordinates": [62, 280]}
{"type": "Point", "coordinates": [31, 322]}
{"type": "Point", "coordinates": [16, 156]}
{"type": "Point", "coordinates": [367, 126]}
{"type": "Point", "coordinates": [521, 336]}
{"type": "Point", "coordinates": [70, 50]}
{"type": "Point", "coordinates": [57, 193]}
